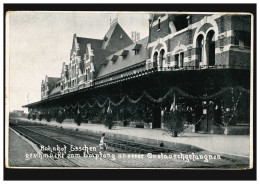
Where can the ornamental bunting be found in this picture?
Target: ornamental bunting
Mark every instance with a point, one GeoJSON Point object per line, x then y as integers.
{"type": "Point", "coordinates": [172, 91]}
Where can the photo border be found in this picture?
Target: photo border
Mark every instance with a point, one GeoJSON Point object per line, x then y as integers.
{"type": "Point", "coordinates": [135, 174]}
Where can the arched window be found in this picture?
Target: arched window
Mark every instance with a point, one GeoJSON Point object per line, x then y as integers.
{"type": "Point", "coordinates": [161, 58]}
{"type": "Point", "coordinates": [86, 78]}
{"type": "Point", "coordinates": [179, 59]}
{"type": "Point", "coordinates": [200, 43]}
{"type": "Point", "coordinates": [88, 74]}
{"type": "Point", "coordinates": [210, 48]}
{"type": "Point", "coordinates": [155, 56]}
{"type": "Point", "coordinates": [176, 61]}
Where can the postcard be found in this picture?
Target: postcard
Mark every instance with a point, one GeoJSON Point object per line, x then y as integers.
{"type": "Point", "coordinates": [129, 90]}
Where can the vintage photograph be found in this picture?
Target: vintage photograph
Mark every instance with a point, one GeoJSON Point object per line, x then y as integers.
{"type": "Point", "coordinates": [141, 90]}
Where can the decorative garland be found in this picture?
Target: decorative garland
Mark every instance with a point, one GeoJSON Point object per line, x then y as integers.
{"type": "Point", "coordinates": [147, 95]}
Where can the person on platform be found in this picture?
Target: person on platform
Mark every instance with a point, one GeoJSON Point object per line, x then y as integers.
{"type": "Point", "coordinates": [102, 144]}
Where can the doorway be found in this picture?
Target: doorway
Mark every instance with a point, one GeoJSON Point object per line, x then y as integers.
{"type": "Point", "coordinates": [156, 117]}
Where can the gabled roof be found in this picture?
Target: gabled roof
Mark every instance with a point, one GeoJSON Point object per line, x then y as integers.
{"type": "Point", "coordinates": [55, 90]}
{"type": "Point", "coordinates": [52, 82]}
{"type": "Point", "coordinates": [104, 62]}
{"type": "Point", "coordinates": [108, 36]}
{"type": "Point", "coordinates": [95, 43]}
{"type": "Point", "coordinates": [116, 38]}
{"type": "Point", "coordinates": [99, 56]}
{"type": "Point", "coordinates": [83, 44]}
{"type": "Point", "coordinates": [122, 62]}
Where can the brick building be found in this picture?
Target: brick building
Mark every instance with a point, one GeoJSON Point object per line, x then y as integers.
{"type": "Point", "coordinates": [195, 56]}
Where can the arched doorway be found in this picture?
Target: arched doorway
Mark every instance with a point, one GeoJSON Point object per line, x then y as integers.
{"type": "Point", "coordinates": [199, 50]}
{"type": "Point", "coordinates": [161, 58]}
{"type": "Point", "coordinates": [210, 48]}
{"type": "Point", "coordinates": [155, 56]}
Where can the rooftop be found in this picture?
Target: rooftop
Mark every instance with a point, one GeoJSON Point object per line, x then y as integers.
{"type": "Point", "coordinates": [125, 61]}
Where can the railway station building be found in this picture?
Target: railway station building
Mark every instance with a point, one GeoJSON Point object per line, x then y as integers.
{"type": "Point", "coordinates": [200, 63]}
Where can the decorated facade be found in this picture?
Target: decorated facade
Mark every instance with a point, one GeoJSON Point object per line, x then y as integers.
{"type": "Point", "coordinates": [198, 64]}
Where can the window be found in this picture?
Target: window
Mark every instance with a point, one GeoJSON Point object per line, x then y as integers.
{"type": "Point", "coordinates": [155, 57]}
{"type": "Point", "coordinates": [181, 59]}
{"type": "Point", "coordinates": [180, 21]}
{"type": "Point", "coordinates": [242, 38]}
{"type": "Point", "coordinates": [124, 53]}
{"type": "Point", "coordinates": [159, 23]}
{"type": "Point", "coordinates": [137, 48]}
{"type": "Point", "coordinates": [81, 66]}
{"type": "Point", "coordinates": [86, 74]}
{"type": "Point", "coordinates": [200, 43]}
{"type": "Point", "coordinates": [176, 61]}
{"type": "Point", "coordinates": [114, 58]}
{"type": "Point", "coordinates": [161, 57]}
{"type": "Point", "coordinates": [210, 48]}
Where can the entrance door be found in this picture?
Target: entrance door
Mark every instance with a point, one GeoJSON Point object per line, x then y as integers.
{"type": "Point", "coordinates": [211, 48]}
{"type": "Point", "coordinates": [156, 120]}
{"type": "Point", "coordinates": [205, 120]}
{"type": "Point", "coordinates": [212, 53]}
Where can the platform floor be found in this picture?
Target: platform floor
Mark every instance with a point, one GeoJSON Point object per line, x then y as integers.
{"type": "Point", "coordinates": [238, 145]}
{"type": "Point", "coordinates": [18, 148]}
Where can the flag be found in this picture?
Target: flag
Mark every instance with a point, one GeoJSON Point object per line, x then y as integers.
{"type": "Point", "coordinates": [28, 97]}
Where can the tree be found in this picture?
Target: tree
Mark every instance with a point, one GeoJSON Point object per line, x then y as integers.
{"type": "Point", "coordinates": [60, 117]}
{"type": "Point", "coordinates": [29, 116]}
{"type": "Point", "coordinates": [48, 117]}
{"type": "Point", "coordinates": [34, 116]}
{"type": "Point", "coordinates": [40, 117]}
{"type": "Point", "coordinates": [173, 122]}
{"type": "Point", "coordinates": [78, 118]}
{"type": "Point", "coordinates": [109, 120]}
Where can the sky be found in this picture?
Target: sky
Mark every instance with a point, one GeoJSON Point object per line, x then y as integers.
{"type": "Point", "coordinates": [39, 42]}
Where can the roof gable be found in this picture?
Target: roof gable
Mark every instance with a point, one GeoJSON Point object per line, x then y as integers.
{"type": "Point", "coordinates": [79, 45]}
{"type": "Point", "coordinates": [99, 57]}
{"type": "Point", "coordinates": [52, 82]}
{"type": "Point", "coordinates": [74, 46]}
{"type": "Point", "coordinates": [123, 62]}
{"type": "Point", "coordinates": [116, 38]}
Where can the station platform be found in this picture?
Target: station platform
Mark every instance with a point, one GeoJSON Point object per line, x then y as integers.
{"type": "Point", "coordinates": [236, 145]}
{"type": "Point", "coordinates": [18, 148]}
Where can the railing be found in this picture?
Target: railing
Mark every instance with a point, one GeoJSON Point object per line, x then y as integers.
{"type": "Point", "coordinates": [203, 67]}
